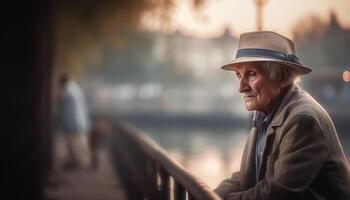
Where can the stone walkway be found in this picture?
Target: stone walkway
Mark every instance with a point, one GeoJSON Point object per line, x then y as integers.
{"type": "Point", "coordinates": [88, 184]}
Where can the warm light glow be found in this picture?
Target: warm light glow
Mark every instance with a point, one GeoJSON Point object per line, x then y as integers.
{"type": "Point", "coordinates": [212, 164]}
{"type": "Point", "coordinates": [346, 76]}
{"type": "Point", "coordinates": [239, 16]}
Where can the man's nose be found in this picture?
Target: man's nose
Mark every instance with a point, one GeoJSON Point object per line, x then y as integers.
{"type": "Point", "coordinates": [243, 85]}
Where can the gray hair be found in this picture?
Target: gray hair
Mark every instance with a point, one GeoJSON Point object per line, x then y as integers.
{"type": "Point", "coordinates": [275, 70]}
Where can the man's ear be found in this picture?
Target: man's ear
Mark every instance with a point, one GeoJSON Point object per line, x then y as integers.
{"type": "Point", "coordinates": [284, 78]}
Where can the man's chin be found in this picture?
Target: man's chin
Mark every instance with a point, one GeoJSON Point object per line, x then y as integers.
{"type": "Point", "coordinates": [249, 107]}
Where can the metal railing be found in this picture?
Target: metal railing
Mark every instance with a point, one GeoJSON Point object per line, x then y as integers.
{"type": "Point", "coordinates": [147, 172]}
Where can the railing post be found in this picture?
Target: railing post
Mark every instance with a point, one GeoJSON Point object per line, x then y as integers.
{"type": "Point", "coordinates": [180, 193]}
{"type": "Point", "coordinates": [165, 184]}
{"type": "Point", "coordinates": [190, 196]}
{"type": "Point", "coordinates": [152, 179]}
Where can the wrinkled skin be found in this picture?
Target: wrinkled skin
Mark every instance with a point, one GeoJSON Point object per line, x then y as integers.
{"type": "Point", "coordinates": [260, 91]}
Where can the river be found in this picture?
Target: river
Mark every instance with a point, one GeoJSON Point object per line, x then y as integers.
{"type": "Point", "coordinates": [211, 154]}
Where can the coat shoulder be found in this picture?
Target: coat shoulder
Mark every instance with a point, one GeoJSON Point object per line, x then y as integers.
{"type": "Point", "coordinates": [305, 108]}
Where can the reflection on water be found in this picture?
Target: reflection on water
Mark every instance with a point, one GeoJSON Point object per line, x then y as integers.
{"type": "Point", "coordinates": [211, 154]}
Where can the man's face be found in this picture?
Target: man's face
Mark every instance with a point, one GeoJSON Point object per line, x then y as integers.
{"type": "Point", "coordinates": [260, 90]}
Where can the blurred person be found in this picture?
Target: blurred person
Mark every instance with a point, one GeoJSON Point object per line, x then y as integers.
{"type": "Point", "coordinates": [74, 122]}
{"type": "Point", "coordinates": [293, 150]}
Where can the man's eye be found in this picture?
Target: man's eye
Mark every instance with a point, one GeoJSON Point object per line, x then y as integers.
{"type": "Point", "coordinates": [252, 73]}
{"type": "Point", "coordinates": [252, 76]}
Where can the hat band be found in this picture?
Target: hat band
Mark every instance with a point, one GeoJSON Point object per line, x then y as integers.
{"type": "Point", "coordinates": [265, 53]}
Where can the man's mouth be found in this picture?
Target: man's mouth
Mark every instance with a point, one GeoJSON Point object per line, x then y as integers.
{"type": "Point", "coordinates": [247, 97]}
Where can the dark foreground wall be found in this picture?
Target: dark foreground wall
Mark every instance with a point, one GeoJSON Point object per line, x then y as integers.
{"type": "Point", "coordinates": [26, 43]}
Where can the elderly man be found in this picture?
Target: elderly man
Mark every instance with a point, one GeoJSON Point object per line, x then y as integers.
{"type": "Point", "coordinates": [292, 151]}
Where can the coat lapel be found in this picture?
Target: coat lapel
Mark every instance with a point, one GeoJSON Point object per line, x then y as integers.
{"type": "Point", "coordinates": [277, 121]}
{"type": "Point", "coordinates": [248, 175]}
{"type": "Point", "coordinates": [270, 138]}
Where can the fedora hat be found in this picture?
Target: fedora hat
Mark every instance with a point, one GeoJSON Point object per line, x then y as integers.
{"type": "Point", "coordinates": [266, 46]}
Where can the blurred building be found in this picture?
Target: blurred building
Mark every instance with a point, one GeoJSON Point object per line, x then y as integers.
{"type": "Point", "coordinates": [180, 75]}
{"type": "Point", "coordinates": [325, 49]}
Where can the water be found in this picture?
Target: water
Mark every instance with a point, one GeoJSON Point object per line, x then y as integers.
{"type": "Point", "coordinates": [210, 154]}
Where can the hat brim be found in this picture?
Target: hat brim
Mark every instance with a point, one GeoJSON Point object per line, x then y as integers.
{"type": "Point", "coordinates": [298, 69]}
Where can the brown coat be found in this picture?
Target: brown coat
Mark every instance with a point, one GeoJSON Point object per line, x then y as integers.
{"type": "Point", "coordinates": [302, 159]}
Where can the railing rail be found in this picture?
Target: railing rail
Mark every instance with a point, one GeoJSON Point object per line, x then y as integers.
{"type": "Point", "coordinates": [147, 172]}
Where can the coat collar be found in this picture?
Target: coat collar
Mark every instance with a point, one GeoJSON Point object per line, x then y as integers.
{"type": "Point", "coordinates": [292, 93]}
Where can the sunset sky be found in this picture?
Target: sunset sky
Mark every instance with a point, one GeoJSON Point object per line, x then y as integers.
{"type": "Point", "coordinates": [239, 15]}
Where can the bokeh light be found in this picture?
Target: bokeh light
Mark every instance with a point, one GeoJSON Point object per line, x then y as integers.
{"type": "Point", "coordinates": [346, 76]}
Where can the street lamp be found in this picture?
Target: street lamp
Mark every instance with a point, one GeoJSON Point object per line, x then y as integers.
{"type": "Point", "coordinates": [259, 7]}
